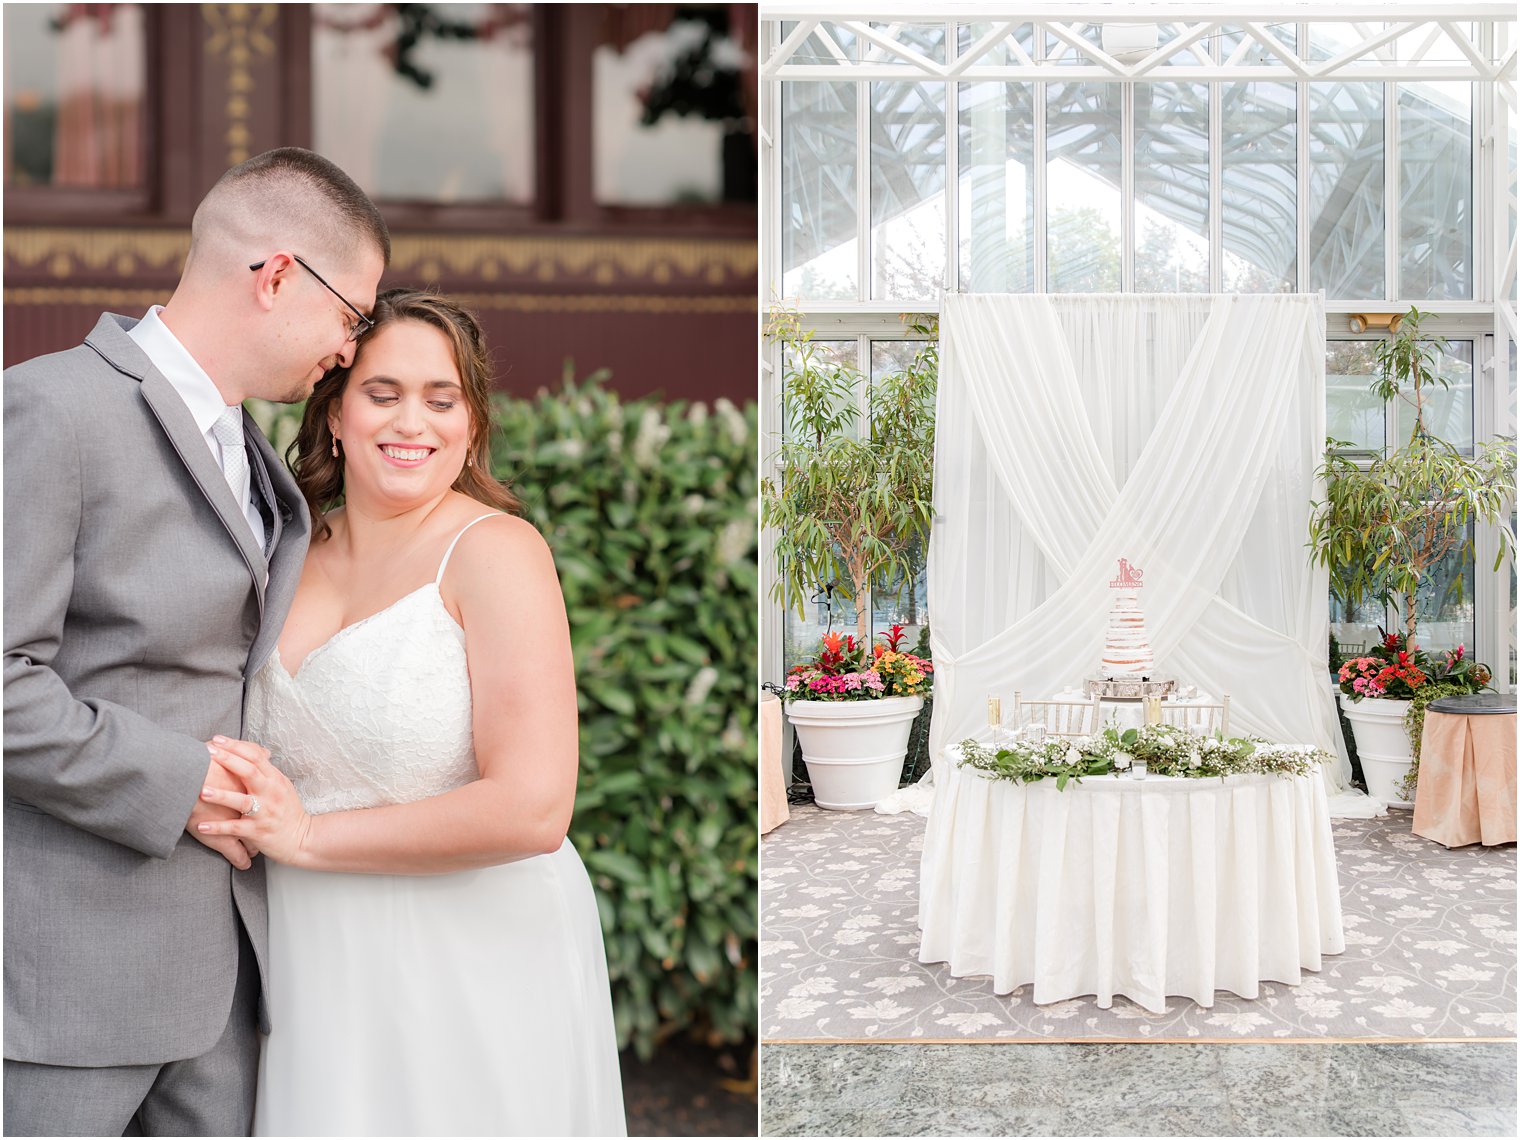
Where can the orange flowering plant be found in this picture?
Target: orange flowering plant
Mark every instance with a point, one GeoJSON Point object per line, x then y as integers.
{"type": "Point", "coordinates": [842, 672]}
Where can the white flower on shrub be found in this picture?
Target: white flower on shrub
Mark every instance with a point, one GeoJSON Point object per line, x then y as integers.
{"type": "Point", "coordinates": [814, 986]}
{"type": "Point", "coordinates": [1123, 760]}
{"type": "Point", "coordinates": [895, 985]}
{"type": "Point", "coordinates": [1465, 973]}
{"type": "Point", "coordinates": [1385, 983]}
{"type": "Point", "coordinates": [697, 414]}
{"type": "Point", "coordinates": [701, 685]}
{"type": "Point", "coordinates": [732, 419]}
{"type": "Point", "coordinates": [1241, 1021]}
{"type": "Point", "coordinates": [798, 1007]}
{"type": "Point", "coordinates": [651, 436]}
{"type": "Point", "coordinates": [1073, 755]}
{"type": "Point", "coordinates": [734, 542]}
{"type": "Point", "coordinates": [884, 1010]}
{"type": "Point", "coordinates": [1398, 1007]}
{"type": "Point", "coordinates": [968, 1022]}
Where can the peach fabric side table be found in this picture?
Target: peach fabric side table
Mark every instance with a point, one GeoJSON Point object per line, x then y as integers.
{"type": "Point", "coordinates": [773, 809]}
{"type": "Point", "coordinates": [1466, 791]}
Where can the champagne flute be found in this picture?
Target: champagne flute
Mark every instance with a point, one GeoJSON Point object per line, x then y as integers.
{"type": "Point", "coordinates": [995, 720]}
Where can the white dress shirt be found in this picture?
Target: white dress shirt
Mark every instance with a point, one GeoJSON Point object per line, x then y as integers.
{"type": "Point", "coordinates": [200, 395]}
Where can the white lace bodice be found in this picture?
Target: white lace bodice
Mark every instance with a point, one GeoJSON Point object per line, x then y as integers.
{"type": "Point", "coordinates": [380, 713]}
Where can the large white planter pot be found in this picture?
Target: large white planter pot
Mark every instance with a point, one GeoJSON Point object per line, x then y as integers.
{"type": "Point", "coordinates": [1383, 746]}
{"type": "Point", "coordinates": [854, 749]}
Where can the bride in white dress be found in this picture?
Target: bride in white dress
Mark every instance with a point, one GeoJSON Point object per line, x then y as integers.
{"type": "Point", "coordinates": [436, 963]}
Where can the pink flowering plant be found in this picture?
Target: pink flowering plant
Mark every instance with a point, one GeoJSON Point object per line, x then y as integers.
{"type": "Point", "coordinates": [844, 671]}
{"type": "Point", "coordinates": [1398, 669]}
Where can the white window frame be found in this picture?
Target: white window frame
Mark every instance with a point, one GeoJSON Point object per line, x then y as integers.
{"type": "Point", "coordinates": [1401, 42]}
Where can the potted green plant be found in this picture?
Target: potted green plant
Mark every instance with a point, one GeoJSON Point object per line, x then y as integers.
{"type": "Point", "coordinates": [851, 498]}
{"type": "Point", "coordinates": [853, 712]}
{"type": "Point", "coordinates": [1383, 527]}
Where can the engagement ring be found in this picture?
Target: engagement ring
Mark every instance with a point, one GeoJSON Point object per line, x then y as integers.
{"type": "Point", "coordinates": [253, 806]}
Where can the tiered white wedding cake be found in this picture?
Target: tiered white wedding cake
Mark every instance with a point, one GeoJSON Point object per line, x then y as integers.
{"type": "Point", "coordinates": [1127, 649]}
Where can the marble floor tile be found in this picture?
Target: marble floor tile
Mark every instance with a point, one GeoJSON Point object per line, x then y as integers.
{"type": "Point", "coordinates": [1437, 1075]}
{"type": "Point", "coordinates": [1271, 1076]}
{"type": "Point", "coordinates": [1138, 1090]}
{"type": "Point", "coordinates": [1461, 1121]}
{"type": "Point", "coordinates": [964, 1121]}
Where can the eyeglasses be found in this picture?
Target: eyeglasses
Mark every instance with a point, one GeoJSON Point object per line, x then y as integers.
{"type": "Point", "coordinates": [356, 330]}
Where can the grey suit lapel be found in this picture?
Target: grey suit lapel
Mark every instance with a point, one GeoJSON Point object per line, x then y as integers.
{"type": "Point", "coordinates": [110, 339]}
{"type": "Point", "coordinates": [292, 529]}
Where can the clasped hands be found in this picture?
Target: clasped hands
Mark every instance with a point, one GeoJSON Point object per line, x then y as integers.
{"type": "Point", "coordinates": [240, 778]}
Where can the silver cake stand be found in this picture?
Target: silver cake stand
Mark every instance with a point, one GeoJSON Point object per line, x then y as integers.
{"type": "Point", "coordinates": [1128, 688]}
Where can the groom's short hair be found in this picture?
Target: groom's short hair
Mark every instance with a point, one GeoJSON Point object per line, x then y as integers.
{"type": "Point", "coordinates": [293, 197]}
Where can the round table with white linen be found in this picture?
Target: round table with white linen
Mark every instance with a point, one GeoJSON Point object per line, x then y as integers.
{"type": "Point", "coordinates": [1137, 887]}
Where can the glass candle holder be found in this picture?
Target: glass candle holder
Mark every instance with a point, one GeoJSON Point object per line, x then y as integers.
{"type": "Point", "coordinates": [1137, 769]}
{"type": "Point", "coordinates": [1034, 733]}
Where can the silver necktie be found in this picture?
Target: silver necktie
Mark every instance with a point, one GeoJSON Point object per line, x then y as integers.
{"type": "Point", "coordinates": [228, 430]}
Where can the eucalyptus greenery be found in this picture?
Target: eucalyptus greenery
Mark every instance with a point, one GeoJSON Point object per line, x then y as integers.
{"type": "Point", "coordinates": [1381, 528]}
{"type": "Point", "coordinates": [851, 499]}
{"type": "Point", "coordinates": [1167, 750]}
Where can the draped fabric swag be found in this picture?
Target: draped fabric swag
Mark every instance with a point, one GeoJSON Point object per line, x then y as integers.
{"type": "Point", "coordinates": [1181, 433]}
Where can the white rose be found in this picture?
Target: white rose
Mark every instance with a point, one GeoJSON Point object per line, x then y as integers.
{"type": "Point", "coordinates": [1123, 760]}
{"type": "Point", "coordinates": [1194, 760]}
{"type": "Point", "coordinates": [1074, 755]}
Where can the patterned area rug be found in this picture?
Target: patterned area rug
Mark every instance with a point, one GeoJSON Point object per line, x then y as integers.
{"type": "Point", "coordinates": [1430, 950]}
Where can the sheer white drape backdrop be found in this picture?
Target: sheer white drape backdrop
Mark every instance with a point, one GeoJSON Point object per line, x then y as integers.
{"type": "Point", "coordinates": [1180, 432]}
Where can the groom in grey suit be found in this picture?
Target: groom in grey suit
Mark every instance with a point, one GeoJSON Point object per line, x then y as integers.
{"type": "Point", "coordinates": [153, 542]}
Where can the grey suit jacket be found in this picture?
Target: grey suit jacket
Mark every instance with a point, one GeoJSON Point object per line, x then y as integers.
{"type": "Point", "coordinates": [136, 609]}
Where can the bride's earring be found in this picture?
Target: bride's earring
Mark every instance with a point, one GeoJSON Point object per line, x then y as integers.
{"type": "Point", "coordinates": [335, 447]}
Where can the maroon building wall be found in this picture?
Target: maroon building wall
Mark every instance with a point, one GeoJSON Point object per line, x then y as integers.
{"type": "Point", "coordinates": [665, 298]}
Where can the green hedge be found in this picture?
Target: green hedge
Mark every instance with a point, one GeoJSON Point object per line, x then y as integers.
{"type": "Point", "coordinates": [650, 510]}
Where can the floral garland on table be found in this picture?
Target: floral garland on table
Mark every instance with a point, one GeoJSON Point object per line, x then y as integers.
{"type": "Point", "coordinates": [1168, 750]}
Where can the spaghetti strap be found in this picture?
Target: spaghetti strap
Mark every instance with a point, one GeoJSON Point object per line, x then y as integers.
{"type": "Point", "coordinates": [438, 581]}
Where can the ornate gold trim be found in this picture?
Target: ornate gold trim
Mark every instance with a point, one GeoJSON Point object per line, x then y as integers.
{"type": "Point", "coordinates": [239, 31]}
{"type": "Point", "coordinates": [106, 297]}
{"type": "Point", "coordinates": [604, 303]}
{"type": "Point", "coordinates": [426, 257]}
{"type": "Point", "coordinates": [103, 298]}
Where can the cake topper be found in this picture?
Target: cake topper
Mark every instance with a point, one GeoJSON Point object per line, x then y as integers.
{"type": "Point", "coordinates": [1129, 577]}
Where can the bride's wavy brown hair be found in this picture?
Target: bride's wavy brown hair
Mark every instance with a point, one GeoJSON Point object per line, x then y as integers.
{"type": "Point", "coordinates": [320, 475]}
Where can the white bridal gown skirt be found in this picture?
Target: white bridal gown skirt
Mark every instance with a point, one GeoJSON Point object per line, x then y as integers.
{"type": "Point", "coordinates": [469, 1004]}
